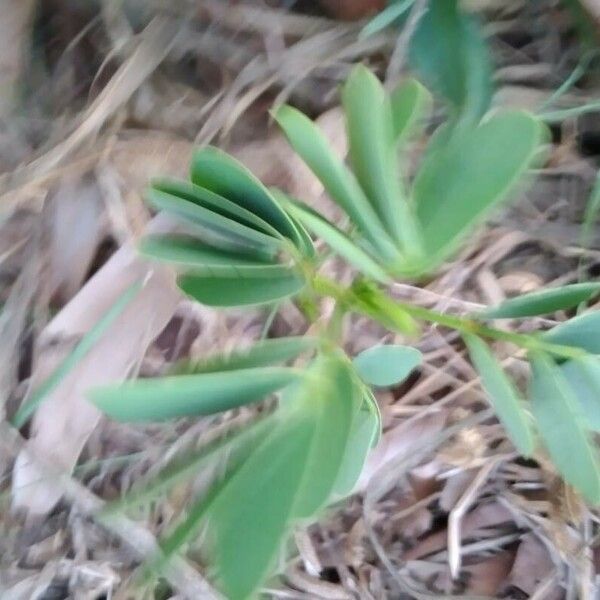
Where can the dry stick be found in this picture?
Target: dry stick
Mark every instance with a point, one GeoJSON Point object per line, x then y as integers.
{"type": "Point", "coordinates": [458, 512]}
{"type": "Point", "coordinates": [179, 572]}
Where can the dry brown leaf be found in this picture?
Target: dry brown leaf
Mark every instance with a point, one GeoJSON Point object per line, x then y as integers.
{"type": "Point", "coordinates": [532, 566]}
{"type": "Point", "coordinates": [77, 225]}
{"type": "Point", "coordinates": [65, 420]}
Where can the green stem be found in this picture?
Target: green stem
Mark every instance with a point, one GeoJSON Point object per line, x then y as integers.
{"type": "Point", "coordinates": [328, 287]}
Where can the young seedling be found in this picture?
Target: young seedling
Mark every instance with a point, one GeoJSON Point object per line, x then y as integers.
{"type": "Point", "coordinates": [248, 245]}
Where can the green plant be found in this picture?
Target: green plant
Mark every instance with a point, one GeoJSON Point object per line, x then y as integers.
{"type": "Point", "coordinates": [244, 244]}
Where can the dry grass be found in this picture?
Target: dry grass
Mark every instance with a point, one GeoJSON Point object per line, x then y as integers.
{"type": "Point", "coordinates": [117, 94]}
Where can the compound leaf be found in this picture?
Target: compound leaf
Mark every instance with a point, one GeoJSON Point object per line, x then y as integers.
{"type": "Point", "coordinates": [215, 203]}
{"type": "Point", "coordinates": [230, 233]}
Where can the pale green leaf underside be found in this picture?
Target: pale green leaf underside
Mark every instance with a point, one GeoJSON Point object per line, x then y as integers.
{"type": "Point", "coordinates": [470, 174]}
{"type": "Point", "coordinates": [386, 17]}
{"type": "Point", "coordinates": [384, 366]}
{"type": "Point", "coordinates": [189, 253]}
{"type": "Point", "coordinates": [583, 377]}
{"type": "Point", "coordinates": [580, 332]}
{"type": "Point", "coordinates": [502, 395]}
{"type": "Point", "coordinates": [411, 103]}
{"type": "Point", "coordinates": [330, 397]}
{"type": "Point", "coordinates": [365, 431]}
{"type": "Point", "coordinates": [560, 425]}
{"type": "Point", "coordinates": [370, 130]}
{"type": "Point", "coordinates": [252, 513]}
{"type": "Point", "coordinates": [215, 203]}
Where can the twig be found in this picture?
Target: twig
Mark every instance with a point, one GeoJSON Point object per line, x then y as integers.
{"type": "Point", "coordinates": [458, 512]}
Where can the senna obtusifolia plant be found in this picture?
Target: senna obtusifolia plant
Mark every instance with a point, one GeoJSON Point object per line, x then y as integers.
{"type": "Point", "coordinates": [241, 244]}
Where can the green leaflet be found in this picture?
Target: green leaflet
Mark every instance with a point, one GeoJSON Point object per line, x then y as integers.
{"type": "Point", "coordinates": [386, 17]}
{"type": "Point", "coordinates": [339, 242]}
{"type": "Point", "coordinates": [234, 235]}
{"type": "Point", "coordinates": [339, 182]}
{"type": "Point", "coordinates": [260, 354]}
{"type": "Point", "coordinates": [581, 332]}
{"type": "Point", "coordinates": [231, 291]}
{"type": "Point", "coordinates": [238, 506]}
{"type": "Point", "coordinates": [411, 103]}
{"type": "Point", "coordinates": [89, 340]}
{"type": "Point", "coordinates": [543, 302]}
{"type": "Point", "coordinates": [330, 397]}
{"type": "Point", "coordinates": [470, 174]}
{"type": "Point", "coordinates": [251, 515]}
{"type": "Point", "coordinates": [215, 203]}
{"type": "Point", "coordinates": [207, 260]}
{"type": "Point", "coordinates": [225, 176]}
{"type": "Point", "coordinates": [502, 395]}
{"type": "Point", "coordinates": [370, 129]}
{"type": "Point", "coordinates": [178, 396]}
{"type": "Point", "coordinates": [384, 366]}
{"type": "Point", "coordinates": [559, 421]}
{"type": "Point", "coordinates": [583, 377]}
{"type": "Point", "coordinates": [364, 434]}
{"type": "Point", "coordinates": [450, 54]}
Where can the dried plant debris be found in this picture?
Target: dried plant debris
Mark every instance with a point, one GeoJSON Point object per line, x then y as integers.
{"type": "Point", "coordinates": [98, 99]}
